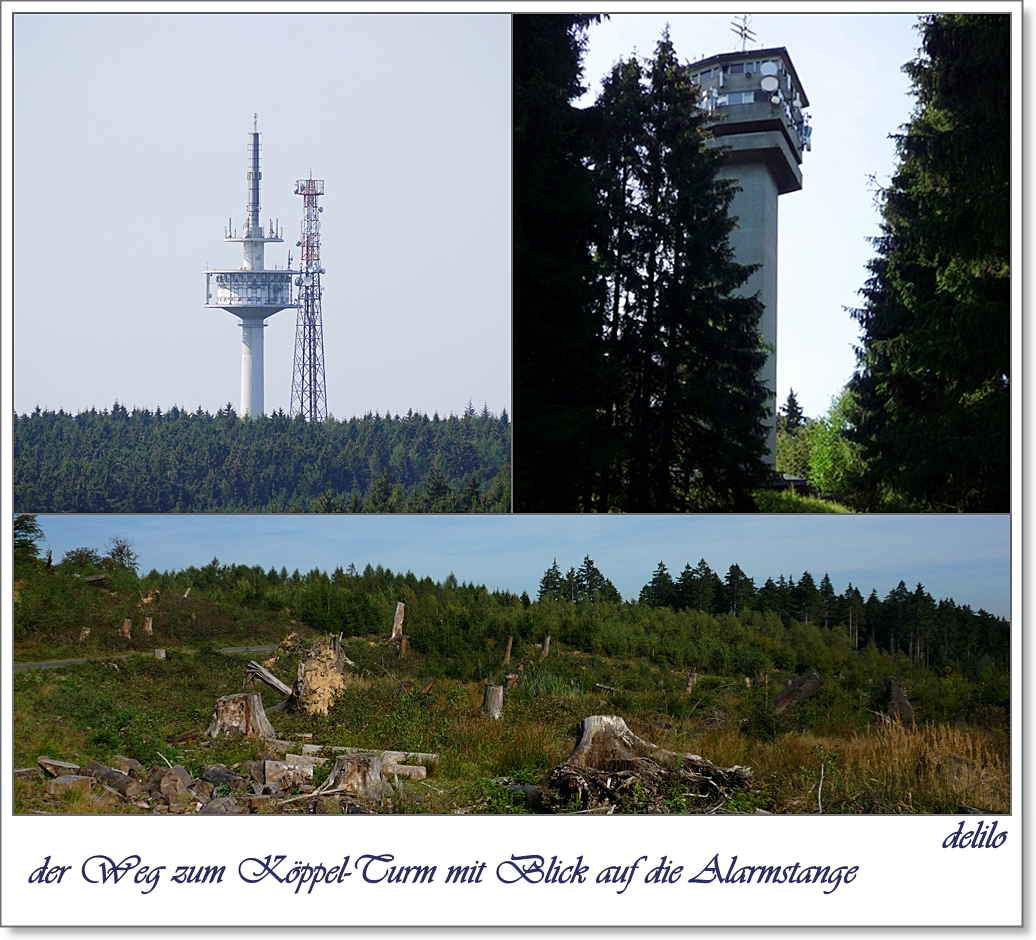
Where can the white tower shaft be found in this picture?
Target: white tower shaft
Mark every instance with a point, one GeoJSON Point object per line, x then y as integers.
{"type": "Point", "coordinates": [252, 378]}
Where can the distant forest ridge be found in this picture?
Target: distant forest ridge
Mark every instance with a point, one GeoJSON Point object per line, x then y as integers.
{"type": "Point", "coordinates": [183, 461]}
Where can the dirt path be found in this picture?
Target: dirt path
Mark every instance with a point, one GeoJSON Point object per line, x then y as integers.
{"type": "Point", "coordinates": [59, 663]}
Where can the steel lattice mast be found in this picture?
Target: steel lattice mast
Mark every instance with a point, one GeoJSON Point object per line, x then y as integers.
{"type": "Point", "coordinates": [308, 394]}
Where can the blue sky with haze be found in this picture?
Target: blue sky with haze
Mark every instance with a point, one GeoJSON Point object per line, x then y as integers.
{"type": "Point", "coordinates": [130, 152]}
{"type": "Point", "coordinates": [963, 557]}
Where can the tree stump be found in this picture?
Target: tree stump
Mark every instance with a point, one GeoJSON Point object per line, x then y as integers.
{"type": "Point", "coordinates": [397, 623]}
{"type": "Point", "coordinates": [318, 681]}
{"type": "Point", "coordinates": [147, 627]}
{"type": "Point", "coordinates": [546, 648]}
{"type": "Point", "coordinates": [402, 648]}
{"type": "Point", "coordinates": [510, 679]}
{"type": "Point", "coordinates": [691, 680]}
{"type": "Point", "coordinates": [125, 631]}
{"type": "Point", "coordinates": [796, 692]}
{"type": "Point", "coordinates": [357, 775]}
{"type": "Point", "coordinates": [610, 764]}
{"type": "Point", "coordinates": [493, 701]}
{"type": "Point", "coordinates": [894, 701]}
{"type": "Point", "coordinates": [507, 655]}
{"type": "Point", "coordinates": [84, 633]}
{"type": "Point", "coordinates": [240, 714]}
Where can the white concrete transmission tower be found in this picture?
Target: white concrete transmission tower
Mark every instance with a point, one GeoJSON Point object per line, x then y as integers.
{"type": "Point", "coordinates": [251, 292]}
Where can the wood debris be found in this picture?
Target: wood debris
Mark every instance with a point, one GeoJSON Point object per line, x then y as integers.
{"type": "Point", "coordinates": [611, 765]}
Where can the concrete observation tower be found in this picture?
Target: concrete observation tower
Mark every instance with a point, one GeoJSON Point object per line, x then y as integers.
{"type": "Point", "coordinates": [759, 103]}
{"type": "Point", "coordinates": [251, 292]}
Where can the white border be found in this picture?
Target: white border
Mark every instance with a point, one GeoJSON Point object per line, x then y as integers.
{"type": "Point", "coordinates": [905, 877]}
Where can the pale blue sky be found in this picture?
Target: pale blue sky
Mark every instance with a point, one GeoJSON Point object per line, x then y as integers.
{"type": "Point", "coordinates": [963, 557]}
{"type": "Point", "coordinates": [130, 154]}
{"type": "Point", "coordinates": [850, 66]}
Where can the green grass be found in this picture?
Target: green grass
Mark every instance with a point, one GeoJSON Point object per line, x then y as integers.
{"type": "Point", "coordinates": [789, 501]}
{"type": "Point", "coordinates": [93, 711]}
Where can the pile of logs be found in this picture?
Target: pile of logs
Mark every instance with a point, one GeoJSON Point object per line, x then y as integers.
{"type": "Point", "coordinates": [358, 780]}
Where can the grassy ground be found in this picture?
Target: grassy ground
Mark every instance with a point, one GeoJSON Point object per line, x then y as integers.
{"type": "Point", "coordinates": [96, 711]}
{"type": "Point", "coordinates": [789, 501]}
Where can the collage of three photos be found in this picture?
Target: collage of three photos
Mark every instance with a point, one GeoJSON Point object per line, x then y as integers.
{"type": "Point", "coordinates": [514, 414]}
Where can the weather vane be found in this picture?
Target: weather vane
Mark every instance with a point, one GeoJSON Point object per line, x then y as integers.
{"type": "Point", "coordinates": [743, 31]}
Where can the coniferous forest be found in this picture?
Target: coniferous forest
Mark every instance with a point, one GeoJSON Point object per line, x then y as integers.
{"type": "Point", "coordinates": [181, 461]}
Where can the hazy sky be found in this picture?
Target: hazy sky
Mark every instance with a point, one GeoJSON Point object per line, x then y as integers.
{"type": "Point", "coordinates": [130, 154]}
{"type": "Point", "coordinates": [850, 66]}
{"type": "Point", "coordinates": [963, 557]}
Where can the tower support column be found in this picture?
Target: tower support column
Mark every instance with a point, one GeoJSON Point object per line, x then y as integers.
{"type": "Point", "coordinates": [754, 242]}
{"type": "Point", "coordinates": [252, 379]}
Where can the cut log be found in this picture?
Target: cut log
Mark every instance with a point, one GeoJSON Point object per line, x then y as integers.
{"type": "Point", "coordinates": [285, 775]}
{"type": "Point", "coordinates": [427, 687]}
{"type": "Point", "coordinates": [546, 648]}
{"type": "Point", "coordinates": [493, 701]}
{"type": "Point", "coordinates": [397, 623]}
{"type": "Point", "coordinates": [610, 764]}
{"type": "Point", "coordinates": [125, 632]}
{"type": "Point", "coordinates": [60, 785]}
{"type": "Point", "coordinates": [25, 773]}
{"type": "Point", "coordinates": [57, 768]}
{"type": "Point", "coordinates": [357, 775]}
{"type": "Point", "coordinates": [311, 759]}
{"type": "Point", "coordinates": [148, 631]}
{"type": "Point", "coordinates": [507, 655]}
{"type": "Point", "coordinates": [127, 786]}
{"type": "Point", "coordinates": [242, 713]}
{"type": "Point", "coordinates": [255, 671]}
{"type": "Point", "coordinates": [219, 775]}
{"type": "Point", "coordinates": [795, 693]}
{"type": "Point", "coordinates": [224, 806]}
{"type": "Point", "coordinates": [318, 681]}
{"type": "Point", "coordinates": [186, 593]}
{"type": "Point", "coordinates": [411, 771]}
{"type": "Point", "coordinates": [127, 765]}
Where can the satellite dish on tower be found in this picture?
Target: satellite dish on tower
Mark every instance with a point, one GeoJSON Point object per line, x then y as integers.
{"type": "Point", "coordinates": [769, 68]}
{"type": "Point", "coordinates": [769, 83]}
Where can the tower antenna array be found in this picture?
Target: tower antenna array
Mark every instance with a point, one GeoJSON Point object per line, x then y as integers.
{"type": "Point", "coordinates": [308, 392]}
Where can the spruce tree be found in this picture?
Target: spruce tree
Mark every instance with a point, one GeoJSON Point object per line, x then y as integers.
{"type": "Point", "coordinates": [931, 386]}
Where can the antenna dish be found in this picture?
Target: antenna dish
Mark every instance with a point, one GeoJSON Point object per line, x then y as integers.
{"type": "Point", "coordinates": [769, 83]}
{"type": "Point", "coordinates": [769, 68]}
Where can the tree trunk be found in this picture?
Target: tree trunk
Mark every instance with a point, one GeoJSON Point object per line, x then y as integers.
{"type": "Point", "coordinates": [255, 671]}
{"type": "Point", "coordinates": [397, 623]}
{"type": "Point", "coordinates": [611, 764]}
{"type": "Point", "coordinates": [507, 655]}
{"type": "Point", "coordinates": [318, 681]}
{"type": "Point", "coordinates": [242, 713]}
{"type": "Point", "coordinates": [357, 775]}
{"type": "Point", "coordinates": [493, 701]}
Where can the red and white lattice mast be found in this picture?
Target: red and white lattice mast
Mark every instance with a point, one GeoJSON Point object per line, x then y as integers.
{"type": "Point", "coordinates": [308, 394]}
